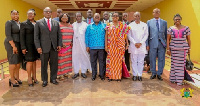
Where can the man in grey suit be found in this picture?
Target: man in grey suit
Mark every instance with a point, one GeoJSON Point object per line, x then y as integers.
{"type": "Point", "coordinates": [156, 43]}
{"type": "Point", "coordinates": [48, 41]}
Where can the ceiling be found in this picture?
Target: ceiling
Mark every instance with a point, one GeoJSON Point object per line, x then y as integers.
{"type": "Point", "coordinates": [95, 5]}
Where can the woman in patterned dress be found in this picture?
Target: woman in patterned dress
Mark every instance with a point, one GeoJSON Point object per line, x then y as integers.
{"type": "Point", "coordinates": [116, 33]}
{"type": "Point", "coordinates": [65, 55]}
{"type": "Point", "coordinates": [178, 46]}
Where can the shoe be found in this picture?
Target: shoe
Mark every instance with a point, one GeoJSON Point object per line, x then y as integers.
{"type": "Point", "coordinates": [54, 82]}
{"type": "Point", "coordinates": [134, 78]}
{"type": "Point", "coordinates": [75, 76]}
{"type": "Point", "coordinates": [93, 78]}
{"type": "Point", "coordinates": [102, 77]}
{"type": "Point", "coordinates": [61, 78]}
{"type": "Point", "coordinates": [139, 78]}
{"type": "Point", "coordinates": [14, 85]}
{"type": "Point", "coordinates": [44, 84]}
{"type": "Point", "coordinates": [19, 81]}
{"type": "Point", "coordinates": [31, 85]}
{"type": "Point", "coordinates": [118, 80]}
{"type": "Point", "coordinates": [159, 77]}
{"type": "Point", "coordinates": [153, 77]}
{"type": "Point", "coordinates": [35, 81]}
{"type": "Point", "coordinates": [83, 75]}
{"type": "Point", "coordinates": [109, 80]}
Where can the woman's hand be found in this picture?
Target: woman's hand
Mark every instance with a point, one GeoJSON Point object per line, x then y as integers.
{"type": "Point", "coordinates": [64, 46]}
{"type": "Point", "coordinates": [24, 51]}
{"type": "Point", "coordinates": [15, 50]}
{"type": "Point", "coordinates": [169, 52]}
{"type": "Point", "coordinates": [106, 49]}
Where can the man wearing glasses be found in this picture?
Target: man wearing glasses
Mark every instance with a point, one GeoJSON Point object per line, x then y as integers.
{"type": "Point", "coordinates": [156, 43]}
{"type": "Point", "coordinates": [48, 41]}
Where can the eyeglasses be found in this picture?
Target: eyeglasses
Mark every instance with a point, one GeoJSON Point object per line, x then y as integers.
{"type": "Point", "coordinates": [48, 11]}
{"type": "Point", "coordinates": [157, 12]}
{"type": "Point", "coordinates": [115, 16]}
{"type": "Point", "coordinates": [177, 19]}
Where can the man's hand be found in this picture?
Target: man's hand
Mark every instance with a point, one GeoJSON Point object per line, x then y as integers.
{"type": "Point", "coordinates": [39, 50]}
{"type": "Point", "coordinates": [88, 49]}
{"type": "Point", "coordinates": [137, 45]}
{"type": "Point", "coordinates": [58, 48]}
{"type": "Point", "coordinates": [169, 52]}
{"type": "Point", "coordinates": [24, 51]}
{"type": "Point", "coordinates": [147, 48]}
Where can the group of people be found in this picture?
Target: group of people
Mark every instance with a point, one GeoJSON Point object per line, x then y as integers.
{"type": "Point", "coordinates": [78, 46]}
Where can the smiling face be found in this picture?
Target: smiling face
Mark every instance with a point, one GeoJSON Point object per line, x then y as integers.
{"type": "Point", "coordinates": [177, 20]}
{"type": "Point", "coordinates": [64, 18]}
{"type": "Point", "coordinates": [106, 15]}
{"type": "Point", "coordinates": [47, 12]}
{"type": "Point", "coordinates": [115, 17]}
{"type": "Point", "coordinates": [137, 16]}
{"type": "Point", "coordinates": [15, 15]}
{"type": "Point", "coordinates": [30, 15]}
{"type": "Point", "coordinates": [96, 17]}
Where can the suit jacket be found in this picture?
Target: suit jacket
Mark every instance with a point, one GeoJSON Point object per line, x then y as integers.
{"type": "Point", "coordinates": [43, 38]}
{"type": "Point", "coordinates": [156, 35]}
{"type": "Point", "coordinates": [12, 31]}
{"type": "Point", "coordinates": [26, 34]}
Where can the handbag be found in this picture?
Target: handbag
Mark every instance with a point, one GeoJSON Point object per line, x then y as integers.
{"type": "Point", "coordinates": [189, 64]}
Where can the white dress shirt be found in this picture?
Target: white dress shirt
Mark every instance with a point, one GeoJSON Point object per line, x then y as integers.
{"type": "Point", "coordinates": [138, 34]}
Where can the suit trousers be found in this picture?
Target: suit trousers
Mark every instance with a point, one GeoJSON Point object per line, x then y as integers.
{"type": "Point", "coordinates": [100, 55]}
{"type": "Point", "coordinates": [127, 59]}
{"type": "Point", "coordinates": [52, 57]}
{"type": "Point", "coordinates": [153, 54]}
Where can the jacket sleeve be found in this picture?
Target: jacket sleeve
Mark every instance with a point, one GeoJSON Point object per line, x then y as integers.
{"type": "Point", "coordinates": [165, 30]}
{"type": "Point", "coordinates": [87, 32]}
{"type": "Point", "coordinates": [148, 27]}
{"type": "Point", "coordinates": [130, 38]}
{"type": "Point", "coordinates": [22, 36]}
{"type": "Point", "coordinates": [37, 36]}
{"type": "Point", "coordinates": [8, 30]}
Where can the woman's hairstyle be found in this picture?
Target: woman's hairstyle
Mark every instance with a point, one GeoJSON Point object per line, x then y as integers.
{"type": "Point", "coordinates": [177, 15]}
{"type": "Point", "coordinates": [14, 11]}
{"type": "Point", "coordinates": [63, 15]}
{"type": "Point", "coordinates": [33, 10]}
{"type": "Point", "coordinates": [114, 13]}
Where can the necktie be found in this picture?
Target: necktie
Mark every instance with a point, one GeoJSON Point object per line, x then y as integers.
{"type": "Point", "coordinates": [48, 23]}
{"type": "Point", "coordinates": [89, 21]}
{"type": "Point", "coordinates": [157, 25]}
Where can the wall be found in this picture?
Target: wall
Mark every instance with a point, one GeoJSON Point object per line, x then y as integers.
{"type": "Point", "coordinates": [5, 7]}
{"type": "Point", "coordinates": [189, 10]}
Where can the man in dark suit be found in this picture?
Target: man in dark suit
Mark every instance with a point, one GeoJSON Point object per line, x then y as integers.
{"type": "Point", "coordinates": [48, 41]}
{"type": "Point", "coordinates": [126, 55]}
{"type": "Point", "coordinates": [89, 19]}
{"type": "Point", "coordinates": [106, 17]}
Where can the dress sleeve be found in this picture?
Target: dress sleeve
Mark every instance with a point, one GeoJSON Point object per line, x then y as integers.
{"type": "Point", "coordinates": [169, 31]}
{"type": "Point", "coordinates": [188, 31]}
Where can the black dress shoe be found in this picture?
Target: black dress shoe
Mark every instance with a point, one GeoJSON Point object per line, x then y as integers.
{"type": "Point", "coordinates": [139, 78]}
{"type": "Point", "coordinates": [83, 75]}
{"type": "Point", "coordinates": [75, 76]}
{"type": "Point", "coordinates": [44, 84]}
{"type": "Point", "coordinates": [93, 78]}
{"type": "Point", "coordinates": [54, 82]}
{"type": "Point", "coordinates": [159, 77]}
{"type": "Point", "coordinates": [102, 77]}
{"type": "Point", "coordinates": [134, 78]}
{"type": "Point", "coordinates": [153, 77]}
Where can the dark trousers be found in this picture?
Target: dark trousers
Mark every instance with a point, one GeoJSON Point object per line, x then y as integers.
{"type": "Point", "coordinates": [127, 61]}
{"type": "Point", "coordinates": [100, 55]}
{"type": "Point", "coordinates": [52, 57]}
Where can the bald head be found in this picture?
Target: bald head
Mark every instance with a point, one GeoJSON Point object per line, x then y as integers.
{"type": "Point", "coordinates": [156, 13]}
{"type": "Point", "coordinates": [47, 12]}
{"type": "Point", "coordinates": [96, 18]}
{"type": "Point", "coordinates": [137, 16]}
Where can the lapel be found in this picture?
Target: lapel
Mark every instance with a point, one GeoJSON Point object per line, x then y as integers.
{"type": "Point", "coordinates": [45, 24]}
{"type": "Point", "coordinates": [161, 25]}
{"type": "Point", "coordinates": [52, 24]}
{"type": "Point", "coordinates": [154, 24]}
{"type": "Point", "coordinates": [29, 23]}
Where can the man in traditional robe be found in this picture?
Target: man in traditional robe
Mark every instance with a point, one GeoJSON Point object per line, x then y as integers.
{"type": "Point", "coordinates": [80, 57]}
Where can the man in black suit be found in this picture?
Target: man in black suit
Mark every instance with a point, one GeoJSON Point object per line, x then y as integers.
{"type": "Point", "coordinates": [106, 17]}
{"type": "Point", "coordinates": [48, 41]}
{"type": "Point", "coordinates": [126, 55]}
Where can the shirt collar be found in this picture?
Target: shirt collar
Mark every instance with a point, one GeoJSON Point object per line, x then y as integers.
{"type": "Point", "coordinates": [156, 19]}
{"type": "Point", "coordinates": [47, 19]}
{"type": "Point", "coordinates": [95, 24]}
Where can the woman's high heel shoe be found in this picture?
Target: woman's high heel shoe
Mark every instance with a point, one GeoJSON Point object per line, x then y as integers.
{"type": "Point", "coordinates": [14, 85]}
{"type": "Point", "coordinates": [36, 82]}
{"type": "Point", "coordinates": [19, 82]}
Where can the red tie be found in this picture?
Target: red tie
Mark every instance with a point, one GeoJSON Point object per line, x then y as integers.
{"type": "Point", "coordinates": [49, 26]}
{"type": "Point", "coordinates": [89, 21]}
